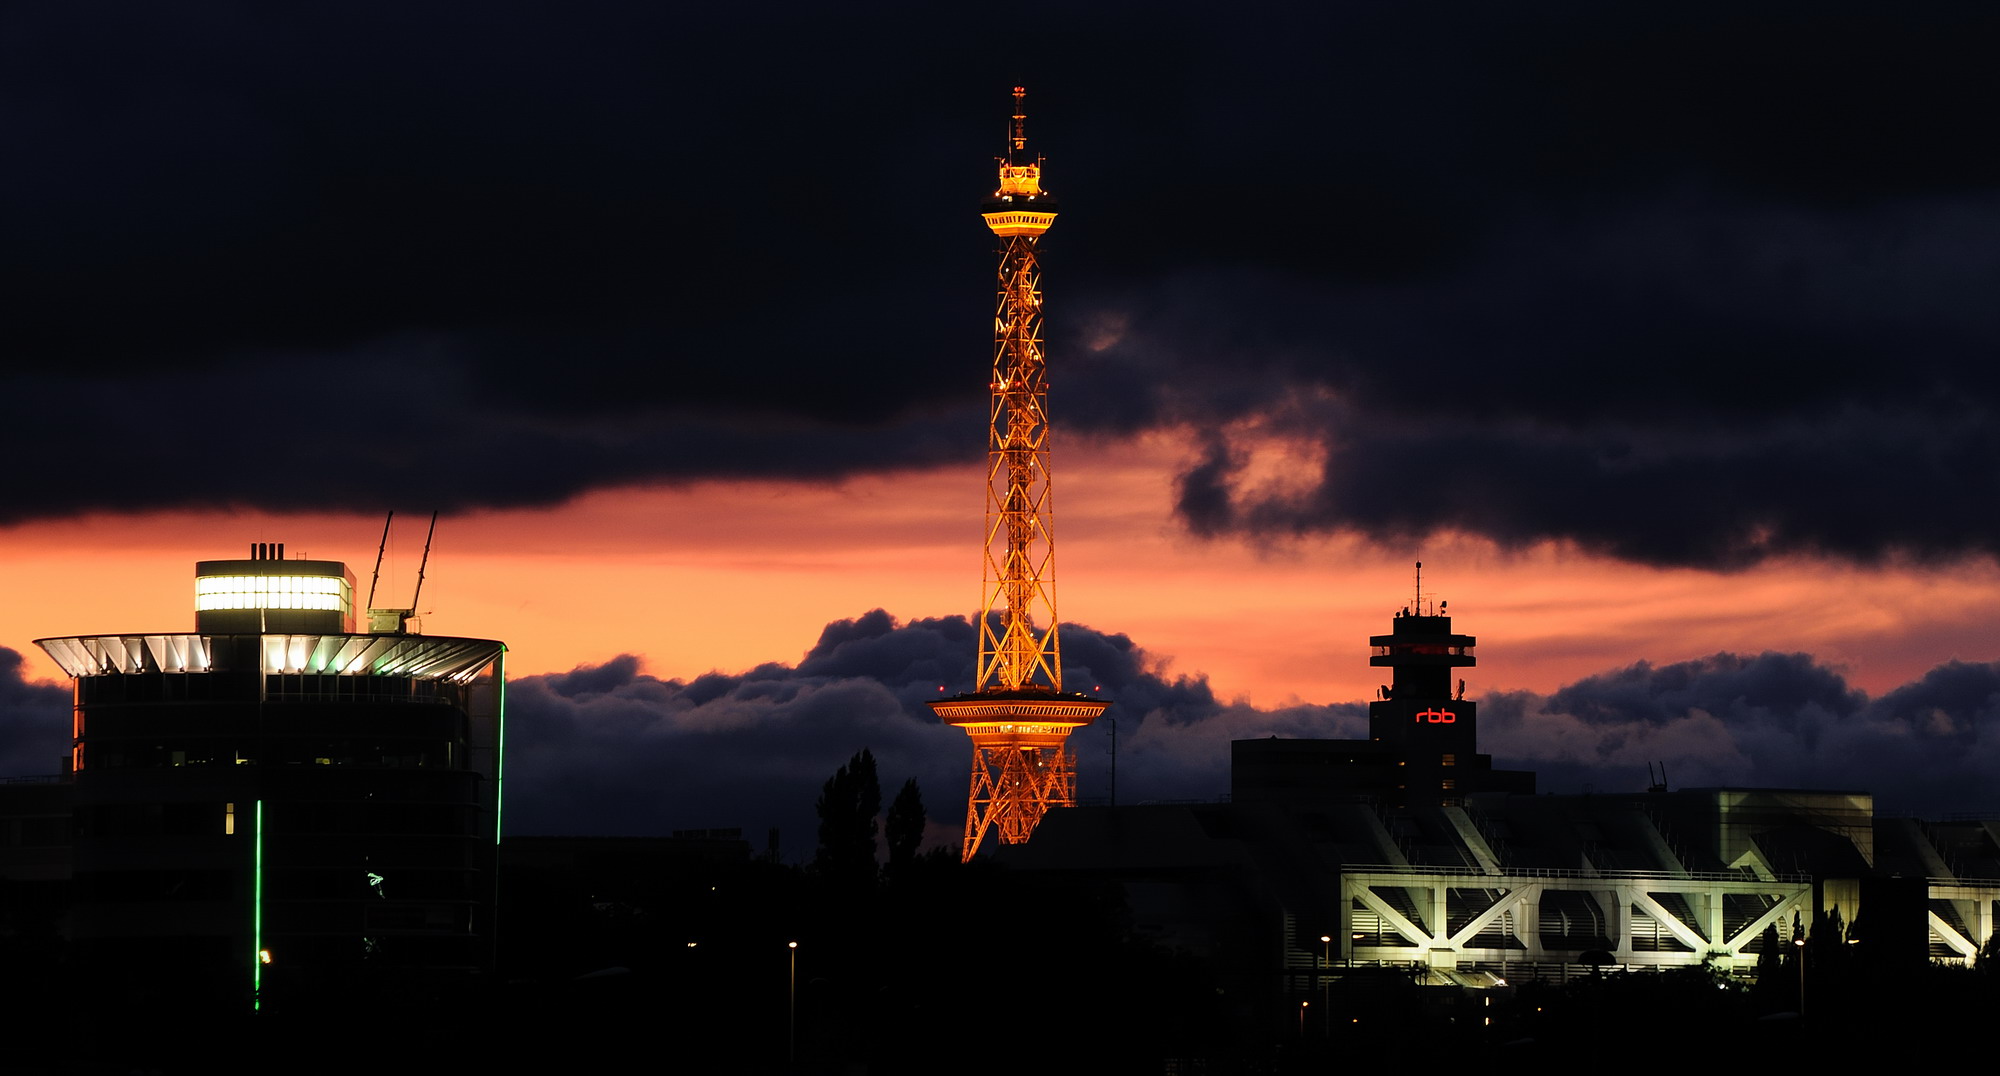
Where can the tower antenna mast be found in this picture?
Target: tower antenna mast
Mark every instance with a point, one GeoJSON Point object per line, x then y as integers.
{"type": "Point", "coordinates": [379, 551]}
{"type": "Point", "coordinates": [424, 563]}
{"type": "Point", "coordinates": [1019, 140]}
{"type": "Point", "coordinates": [1017, 714]}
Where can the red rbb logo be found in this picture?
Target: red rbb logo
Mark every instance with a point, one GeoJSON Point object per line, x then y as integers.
{"type": "Point", "coordinates": [1436, 717]}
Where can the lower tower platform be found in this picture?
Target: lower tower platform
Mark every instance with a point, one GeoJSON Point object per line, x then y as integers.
{"type": "Point", "coordinates": [1020, 767]}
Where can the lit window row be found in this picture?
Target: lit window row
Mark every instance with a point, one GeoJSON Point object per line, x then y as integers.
{"type": "Point", "coordinates": [271, 592]}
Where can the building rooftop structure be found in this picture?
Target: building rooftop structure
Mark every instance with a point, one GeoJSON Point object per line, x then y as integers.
{"type": "Point", "coordinates": [274, 804]}
{"type": "Point", "coordinates": [1423, 735]}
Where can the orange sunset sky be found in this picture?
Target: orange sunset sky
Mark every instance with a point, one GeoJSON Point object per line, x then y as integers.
{"type": "Point", "coordinates": [727, 575]}
{"type": "Point", "coordinates": [1654, 333]}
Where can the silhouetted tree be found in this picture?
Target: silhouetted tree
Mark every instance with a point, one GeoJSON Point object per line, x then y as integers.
{"type": "Point", "coordinates": [847, 807]}
{"type": "Point", "coordinates": [905, 824]}
{"type": "Point", "coordinates": [1768, 953]}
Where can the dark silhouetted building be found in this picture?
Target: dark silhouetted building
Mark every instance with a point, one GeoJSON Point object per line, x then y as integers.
{"type": "Point", "coordinates": [1405, 858]}
{"type": "Point", "coordinates": [1423, 736]}
{"type": "Point", "coordinates": [274, 800]}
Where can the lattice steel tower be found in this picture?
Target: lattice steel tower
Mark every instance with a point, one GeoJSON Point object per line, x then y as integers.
{"type": "Point", "coordinates": [1018, 715]}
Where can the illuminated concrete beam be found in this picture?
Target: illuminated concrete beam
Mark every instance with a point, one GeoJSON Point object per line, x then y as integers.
{"type": "Point", "coordinates": [1975, 902]}
{"type": "Point", "coordinates": [1515, 900]}
{"type": "Point", "coordinates": [1951, 937]}
{"type": "Point", "coordinates": [1475, 841]}
{"type": "Point", "coordinates": [1519, 905]}
{"type": "Point", "coordinates": [1682, 933]}
{"type": "Point", "coordinates": [1773, 916]}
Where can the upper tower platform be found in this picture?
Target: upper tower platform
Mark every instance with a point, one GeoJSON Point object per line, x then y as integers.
{"type": "Point", "coordinates": [1421, 650]}
{"type": "Point", "coordinates": [1019, 205]}
{"type": "Point", "coordinates": [275, 616]}
{"type": "Point", "coordinates": [1418, 706]}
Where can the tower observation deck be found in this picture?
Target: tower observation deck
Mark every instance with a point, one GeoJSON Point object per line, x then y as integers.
{"type": "Point", "coordinates": [1018, 714]}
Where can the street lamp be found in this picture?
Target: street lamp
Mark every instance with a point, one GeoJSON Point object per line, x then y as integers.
{"type": "Point", "coordinates": [1302, 1018]}
{"type": "Point", "coordinates": [1325, 986]}
{"type": "Point", "coordinates": [792, 1015]}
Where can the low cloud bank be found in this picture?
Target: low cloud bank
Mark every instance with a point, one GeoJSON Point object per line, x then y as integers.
{"type": "Point", "coordinates": [611, 749]}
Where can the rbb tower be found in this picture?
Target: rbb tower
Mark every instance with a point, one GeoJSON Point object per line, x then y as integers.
{"type": "Point", "coordinates": [1018, 715]}
{"type": "Point", "coordinates": [1433, 727]}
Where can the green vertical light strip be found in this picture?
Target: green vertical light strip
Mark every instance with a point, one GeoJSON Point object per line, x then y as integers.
{"type": "Point", "coordinates": [499, 738]}
{"type": "Point", "coordinates": [499, 771]}
{"type": "Point", "coordinates": [257, 917]}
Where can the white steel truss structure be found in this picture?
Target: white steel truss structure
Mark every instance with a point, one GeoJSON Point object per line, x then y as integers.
{"type": "Point", "coordinates": [1451, 919]}
{"type": "Point", "coordinates": [1448, 917]}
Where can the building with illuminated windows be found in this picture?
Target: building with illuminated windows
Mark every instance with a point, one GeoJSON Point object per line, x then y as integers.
{"type": "Point", "coordinates": [1337, 866]}
{"type": "Point", "coordinates": [276, 802]}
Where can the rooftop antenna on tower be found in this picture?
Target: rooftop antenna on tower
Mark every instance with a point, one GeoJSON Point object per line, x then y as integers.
{"type": "Point", "coordinates": [379, 551]}
{"type": "Point", "coordinates": [397, 621]}
{"type": "Point", "coordinates": [1018, 141]}
{"type": "Point", "coordinates": [422, 564]}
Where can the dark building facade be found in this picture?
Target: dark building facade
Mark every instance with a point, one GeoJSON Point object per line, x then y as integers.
{"type": "Point", "coordinates": [1423, 734]}
{"type": "Point", "coordinates": [1407, 858]}
{"type": "Point", "coordinates": [276, 802]}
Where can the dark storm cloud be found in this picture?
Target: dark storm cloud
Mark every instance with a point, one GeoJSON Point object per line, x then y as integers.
{"type": "Point", "coordinates": [1678, 282]}
{"type": "Point", "coordinates": [421, 247]}
{"type": "Point", "coordinates": [1773, 720]}
{"type": "Point", "coordinates": [34, 722]}
{"type": "Point", "coordinates": [611, 749]}
{"type": "Point", "coordinates": [1705, 389]}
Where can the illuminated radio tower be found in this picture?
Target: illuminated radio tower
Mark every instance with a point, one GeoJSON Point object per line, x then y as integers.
{"type": "Point", "coordinates": [1017, 715]}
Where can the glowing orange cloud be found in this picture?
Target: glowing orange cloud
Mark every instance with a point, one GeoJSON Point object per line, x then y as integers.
{"type": "Point", "coordinates": [730, 575]}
